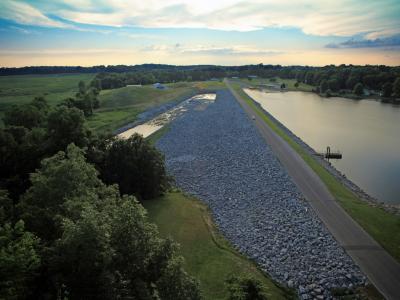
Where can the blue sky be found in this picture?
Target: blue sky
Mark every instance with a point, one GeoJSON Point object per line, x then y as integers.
{"type": "Point", "coordinates": [226, 32]}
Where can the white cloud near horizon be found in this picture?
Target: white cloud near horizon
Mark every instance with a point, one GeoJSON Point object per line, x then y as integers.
{"type": "Point", "coordinates": [371, 19]}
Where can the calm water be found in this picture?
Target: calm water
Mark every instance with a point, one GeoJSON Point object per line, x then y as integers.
{"type": "Point", "coordinates": [366, 132]}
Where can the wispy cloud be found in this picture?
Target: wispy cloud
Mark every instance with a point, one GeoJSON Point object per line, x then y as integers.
{"type": "Point", "coordinates": [24, 13]}
{"type": "Point", "coordinates": [339, 18]}
{"type": "Point", "coordinates": [212, 50]}
{"type": "Point", "coordinates": [364, 43]}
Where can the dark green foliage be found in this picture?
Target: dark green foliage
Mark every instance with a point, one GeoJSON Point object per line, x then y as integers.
{"type": "Point", "coordinates": [323, 86]}
{"type": "Point", "coordinates": [296, 84]}
{"type": "Point", "coordinates": [19, 260]}
{"type": "Point", "coordinates": [61, 177]}
{"type": "Point", "coordinates": [358, 89]}
{"type": "Point", "coordinates": [67, 125]}
{"type": "Point", "coordinates": [136, 166]}
{"type": "Point", "coordinates": [98, 245]}
{"type": "Point", "coordinates": [387, 89]}
{"type": "Point", "coordinates": [6, 208]}
{"type": "Point", "coordinates": [283, 86]}
{"type": "Point", "coordinates": [396, 88]}
{"type": "Point", "coordinates": [28, 115]}
{"type": "Point", "coordinates": [86, 99]}
{"type": "Point", "coordinates": [245, 288]}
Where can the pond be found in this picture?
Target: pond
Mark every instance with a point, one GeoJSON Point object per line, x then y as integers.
{"type": "Point", "coordinates": [366, 132]}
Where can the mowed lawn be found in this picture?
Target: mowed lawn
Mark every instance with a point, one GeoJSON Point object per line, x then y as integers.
{"type": "Point", "coordinates": [208, 256]}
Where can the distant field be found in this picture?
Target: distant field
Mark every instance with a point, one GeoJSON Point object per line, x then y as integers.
{"type": "Point", "coordinates": [16, 90]}
{"type": "Point", "coordinates": [208, 256]}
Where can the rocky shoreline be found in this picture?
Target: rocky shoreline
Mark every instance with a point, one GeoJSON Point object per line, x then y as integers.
{"type": "Point", "coordinates": [216, 154]}
{"type": "Point", "coordinates": [395, 209]}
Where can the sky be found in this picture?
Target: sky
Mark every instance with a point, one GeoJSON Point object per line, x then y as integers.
{"type": "Point", "coordinates": [186, 32]}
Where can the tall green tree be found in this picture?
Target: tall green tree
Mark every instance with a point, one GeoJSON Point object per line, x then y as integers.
{"type": "Point", "coordinates": [387, 89]}
{"type": "Point", "coordinates": [67, 125]}
{"type": "Point", "coordinates": [396, 87]}
{"type": "Point", "coordinates": [358, 89]}
{"type": "Point", "coordinates": [19, 261]}
{"type": "Point", "coordinates": [136, 166]}
{"type": "Point", "coordinates": [98, 244]}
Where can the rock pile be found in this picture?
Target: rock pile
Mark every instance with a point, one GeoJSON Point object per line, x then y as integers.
{"type": "Point", "coordinates": [218, 155]}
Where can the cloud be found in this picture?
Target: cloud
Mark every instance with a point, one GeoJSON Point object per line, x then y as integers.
{"type": "Point", "coordinates": [364, 43]}
{"type": "Point", "coordinates": [374, 19]}
{"type": "Point", "coordinates": [24, 13]}
{"type": "Point", "coordinates": [211, 50]}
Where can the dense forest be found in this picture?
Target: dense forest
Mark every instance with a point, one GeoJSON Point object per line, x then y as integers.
{"type": "Point", "coordinates": [71, 222]}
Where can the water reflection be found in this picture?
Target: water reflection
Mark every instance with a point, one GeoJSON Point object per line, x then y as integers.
{"type": "Point", "coordinates": [366, 132]}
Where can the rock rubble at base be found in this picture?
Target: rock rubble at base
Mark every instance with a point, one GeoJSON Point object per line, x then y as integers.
{"type": "Point", "coordinates": [218, 155]}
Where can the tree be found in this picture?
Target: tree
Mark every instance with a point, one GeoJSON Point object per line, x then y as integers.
{"type": "Point", "coordinates": [358, 89]}
{"type": "Point", "coordinates": [81, 87]}
{"type": "Point", "coordinates": [65, 175]}
{"type": "Point", "coordinates": [245, 288]}
{"type": "Point", "coordinates": [136, 166]}
{"type": "Point", "coordinates": [387, 89]}
{"type": "Point", "coordinates": [19, 260]}
{"type": "Point", "coordinates": [351, 82]}
{"type": "Point", "coordinates": [323, 86]}
{"type": "Point", "coordinates": [102, 246]}
{"type": "Point", "coordinates": [26, 115]}
{"type": "Point", "coordinates": [296, 84]}
{"type": "Point", "coordinates": [396, 88]}
{"type": "Point", "coordinates": [6, 208]}
{"type": "Point", "coordinates": [65, 126]}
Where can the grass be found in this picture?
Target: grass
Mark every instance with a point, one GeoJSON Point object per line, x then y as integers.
{"type": "Point", "coordinates": [208, 256]}
{"type": "Point", "coordinates": [121, 106]}
{"type": "Point", "coordinates": [384, 227]}
{"type": "Point", "coordinates": [55, 88]}
{"type": "Point", "coordinates": [290, 83]}
{"type": "Point", "coordinates": [16, 90]}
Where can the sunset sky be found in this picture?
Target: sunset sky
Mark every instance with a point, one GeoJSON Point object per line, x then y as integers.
{"type": "Point", "coordinates": [224, 32]}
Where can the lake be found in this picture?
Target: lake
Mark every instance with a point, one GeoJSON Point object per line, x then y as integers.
{"type": "Point", "coordinates": [366, 132]}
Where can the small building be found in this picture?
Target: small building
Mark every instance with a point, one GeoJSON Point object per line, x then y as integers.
{"type": "Point", "coordinates": [158, 86]}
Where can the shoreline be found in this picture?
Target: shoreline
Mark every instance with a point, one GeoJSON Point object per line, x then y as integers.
{"type": "Point", "coordinates": [363, 195]}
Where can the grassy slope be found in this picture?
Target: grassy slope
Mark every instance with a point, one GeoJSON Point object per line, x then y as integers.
{"type": "Point", "coordinates": [288, 82]}
{"type": "Point", "coordinates": [381, 225]}
{"type": "Point", "coordinates": [208, 256]}
{"type": "Point", "coordinates": [121, 106]}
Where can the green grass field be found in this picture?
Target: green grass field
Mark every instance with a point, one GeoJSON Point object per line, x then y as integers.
{"type": "Point", "coordinates": [381, 225]}
{"type": "Point", "coordinates": [15, 90]}
{"type": "Point", "coordinates": [208, 256]}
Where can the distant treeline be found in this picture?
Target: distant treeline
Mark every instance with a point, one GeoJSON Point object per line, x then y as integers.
{"type": "Point", "coordinates": [328, 79]}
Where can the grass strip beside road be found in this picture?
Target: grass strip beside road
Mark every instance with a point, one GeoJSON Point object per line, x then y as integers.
{"type": "Point", "coordinates": [208, 256]}
{"type": "Point", "coordinates": [384, 227]}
